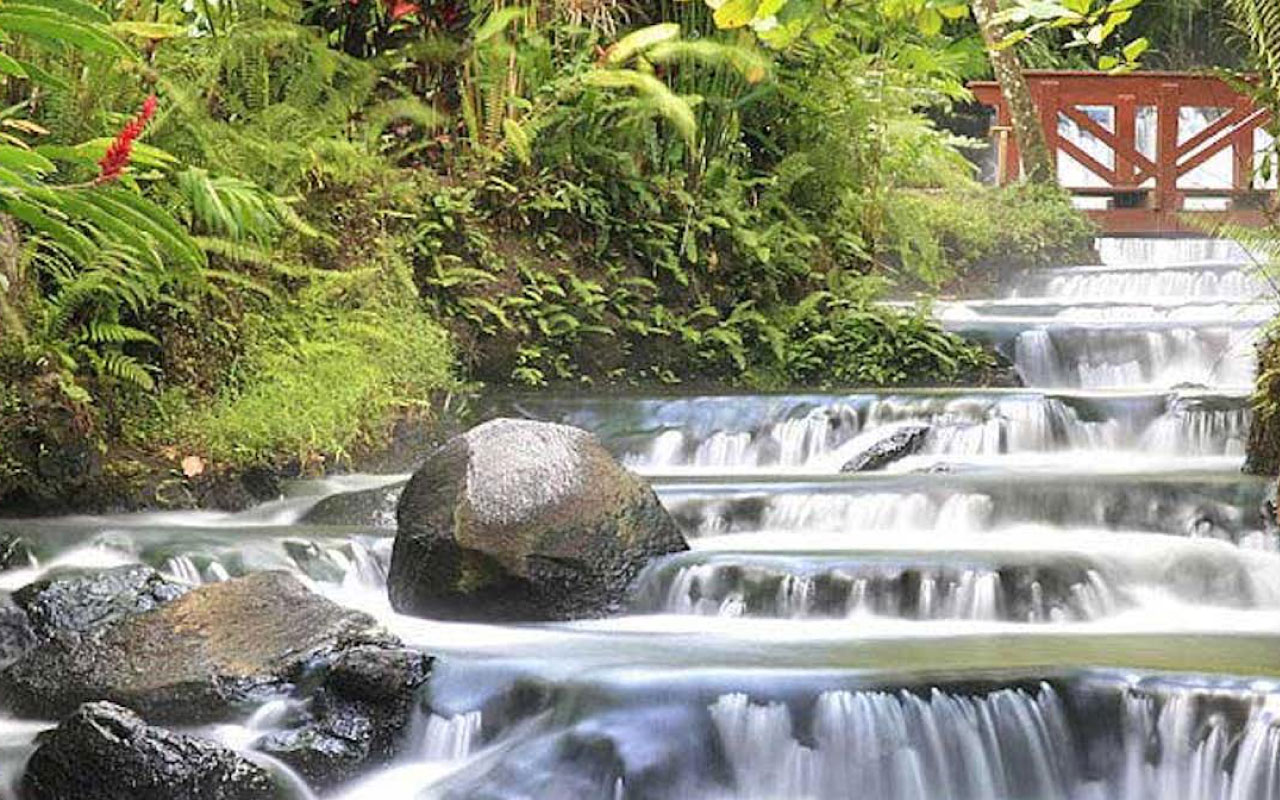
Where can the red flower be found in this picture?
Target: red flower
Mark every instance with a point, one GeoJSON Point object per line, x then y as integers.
{"type": "Point", "coordinates": [121, 149]}
{"type": "Point", "coordinates": [401, 8]}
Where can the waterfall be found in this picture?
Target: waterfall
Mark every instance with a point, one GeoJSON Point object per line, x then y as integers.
{"type": "Point", "coordinates": [1173, 751]}
{"type": "Point", "coordinates": [1010, 744]}
{"type": "Point", "coordinates": [451, 738]}
{"type": "Point", "coordinates": [784, 588]}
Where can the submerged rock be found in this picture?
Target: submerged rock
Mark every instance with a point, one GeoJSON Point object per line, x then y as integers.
{"type": "Point", "coordinates": [370, 508]}
{"type": "Point", "coordinates": [903, 441]}
{"type": "Point", "coordinates": [105, 752]}
{"type": "Point", "coordinates": [77, 602]}
{"type": "Point", "coordinates": [196, 658]}
{"type": "Point", "coordinates": [522, 520]}
{"type": "Point", "coordinates": [358, 715]}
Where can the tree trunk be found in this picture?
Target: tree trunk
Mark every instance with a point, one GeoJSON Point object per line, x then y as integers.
{"type": "Point", "coordinates": [1037, 162]}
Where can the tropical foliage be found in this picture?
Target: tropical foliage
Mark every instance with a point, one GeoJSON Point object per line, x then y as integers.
{"type": "Point", "coordinates": [262, 229]}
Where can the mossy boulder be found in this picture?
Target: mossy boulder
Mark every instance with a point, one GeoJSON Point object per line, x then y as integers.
{"type": "Point", "coordinates": [522, 520]}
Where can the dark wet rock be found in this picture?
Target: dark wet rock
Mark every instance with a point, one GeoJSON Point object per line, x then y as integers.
{"type": "Point", "coordinates": [370, 508]}
{"type": "Point", "coordinates": [78, 601]}
{"type": "Point", "coordinates": [15, 553]}
{"type": "Point", "coordinates": [16, 634]}
{"type": "Point", "coordinates": [902, 441]}
{"type": "Point", "coordinates": [522, 520]}
{"type": "Point", "coordinates": [359, 715]}
{"type": "Point", "coordinates": [197, 658]}
{"type": "Point", "coordinates": [105, 752]}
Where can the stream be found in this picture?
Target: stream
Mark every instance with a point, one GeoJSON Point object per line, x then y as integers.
{"type": "Point", "coordinates": [1069, 592]}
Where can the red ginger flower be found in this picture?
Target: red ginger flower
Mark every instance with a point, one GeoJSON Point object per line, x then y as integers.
{"type": "Point", "coordinates": [401, 8]}
{"type": "Point", "coordinates": [121, 149]}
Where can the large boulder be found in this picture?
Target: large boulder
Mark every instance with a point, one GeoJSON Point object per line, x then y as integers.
{"type": "Point", "coordinates": [357, 716]}
{"type": "Point", "coordinates": [522, 520]}
{"type": "Point", "coordinates": [897, 443]}
{"type": "Point", "coordinates": [105, 752]}
{"type": "Point", "coordinates": [200, 657]}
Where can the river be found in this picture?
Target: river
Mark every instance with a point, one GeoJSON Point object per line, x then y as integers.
{"type": "Point", "coordinates": [1070, 592]}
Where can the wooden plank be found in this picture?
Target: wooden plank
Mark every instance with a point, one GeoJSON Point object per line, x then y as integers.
{"type": "Point", "coordinates": [1213, 148]}
{"type": "Point", "coordinates": [1230, 119]}
{"type": "Point", "coordinates": [1087, 161]}
{"type": "Point", "coordinates": [1129, 153]}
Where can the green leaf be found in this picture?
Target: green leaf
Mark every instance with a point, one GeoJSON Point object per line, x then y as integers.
{"type": "Point", "coordinates": [152, 219]}
{"type": "Point", "coordinates": [1108, 63]}
{"type": "Point", "coordinates": [75, 8]}
{"type": "Point", "coordinates": [1134, 50]}
{"type": "Point", "coordinates": [16, 158]}
{"type": "Point", "coordinates": [60, 29]}
{"type": "Point", "coordinates": [154, 31]}
{"type": "Point", "coordinates": [74, 242]}
{"type": "Point", "coordinates": [1078, 6]}
{"type": "Point", "coordinates": [497, 22]}
{"type": "Point", "coordinates": [11, 66]}
{"type": "Point", "coordinates": [929, 22]}
{"type": "Point", "coordinates": [40, 77]}
{"type": "Point", "coordinates": [735, 14]}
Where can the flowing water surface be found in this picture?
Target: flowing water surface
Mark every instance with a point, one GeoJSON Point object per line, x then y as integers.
{"type": "Point", "coordinates": [1069, 592]}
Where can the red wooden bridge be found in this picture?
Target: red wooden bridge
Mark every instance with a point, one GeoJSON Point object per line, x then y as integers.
{"type": "Point", "coordinates": [1148, 152]}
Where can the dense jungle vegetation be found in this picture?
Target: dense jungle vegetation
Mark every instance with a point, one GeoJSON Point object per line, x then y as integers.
{"type": "Point", "coordinates": [241, 232]}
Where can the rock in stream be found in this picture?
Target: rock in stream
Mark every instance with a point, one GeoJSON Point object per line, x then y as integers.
{"type": "Point", "coordinates": [196, 658]}
{"type": "Point", "coordinates": [523, 520]}
{"type": "Point", "coordinates": [105, 752]}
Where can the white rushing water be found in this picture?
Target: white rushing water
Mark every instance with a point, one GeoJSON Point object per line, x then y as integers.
{"type": "Point", "coordinates": [947, 627]}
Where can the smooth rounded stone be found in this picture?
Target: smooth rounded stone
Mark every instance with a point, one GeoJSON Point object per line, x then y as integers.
{"type": "Point", "coordinates": [79, 601]}
{"type": "Point", "coordinates": [369, 508]}
{"type": "Point", "coordinates": [902, 442]}
{"type": "Point", "coordinates": [523, 520]}
{"type": "Point", "coordinates": [198, 658]}
{"type": "Point", "coordinates": [105, 752]}
{"type": "Point", "coordinates": [358, 716]}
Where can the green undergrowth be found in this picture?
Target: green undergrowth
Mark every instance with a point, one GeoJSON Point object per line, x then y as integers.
{"type": "Point", "coordinates": [337, 215]}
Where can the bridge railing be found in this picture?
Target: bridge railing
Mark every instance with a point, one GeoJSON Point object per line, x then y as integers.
{"type": "Point", "coordinates": [1141, 150]}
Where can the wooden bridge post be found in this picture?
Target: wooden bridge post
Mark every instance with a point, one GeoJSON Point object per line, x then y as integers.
{"type": "Point", "coordinates": [1126, 109]}
{"type": "Point", "coordinates": [1048, 102]}
{"type": "Point", "coordinates": [1168, 110]}
{"type": "Point", "coordinates": [1242, 153]}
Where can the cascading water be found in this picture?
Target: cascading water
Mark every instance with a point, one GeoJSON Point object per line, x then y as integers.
{"type": "Point", "coordinates": [1027, 606]}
